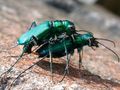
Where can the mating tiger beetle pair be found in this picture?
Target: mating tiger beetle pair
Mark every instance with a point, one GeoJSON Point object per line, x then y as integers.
{"type": "Point", "coordinates": [56, 39]}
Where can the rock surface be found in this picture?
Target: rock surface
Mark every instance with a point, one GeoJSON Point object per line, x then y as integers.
{"type": "Point", "coordinates": [101, 70]}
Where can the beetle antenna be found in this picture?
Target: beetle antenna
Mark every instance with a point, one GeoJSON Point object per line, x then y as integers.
{"type": "Point", "coordinates": [110, 50]}
{"type": "Point", "coordinates": [107, 40]}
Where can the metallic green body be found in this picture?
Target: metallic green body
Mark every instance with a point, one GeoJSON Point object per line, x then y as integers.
{"type": "Point", "coordinates": [46, 30]}
{"type": "Point", "coordinates": [58, 48]}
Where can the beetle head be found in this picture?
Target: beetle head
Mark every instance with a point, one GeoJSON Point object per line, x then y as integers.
{"type": "Point", "coordinates": [91, 41]}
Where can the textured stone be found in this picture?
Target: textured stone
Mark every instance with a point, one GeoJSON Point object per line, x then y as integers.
{"type": "Point", "coordinates": [100, 71]}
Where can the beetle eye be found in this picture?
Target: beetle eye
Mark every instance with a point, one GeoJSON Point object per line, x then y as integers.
{"type": "Point", "coordinates": [72, 28]}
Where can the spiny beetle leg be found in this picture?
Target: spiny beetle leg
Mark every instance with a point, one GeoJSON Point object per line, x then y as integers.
{"type": "Point", "coordinates": [80, 60]}
{"type": "Point", "coordinates": [80, 53]}
{"type": "Point", "coordinates": [67, 58]}
{"type": "Point", "coordinates": [66, 70]}
{"type": "Point", "coordinates": [50, 56]}
{"type": "Point", "coordinates": [67, 63]}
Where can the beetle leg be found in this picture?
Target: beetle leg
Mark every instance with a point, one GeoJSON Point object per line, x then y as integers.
{"type": "Point", "coordinates": [13, 65]}
{"type": "Point", "coordinates": [80, 50]}
{"type": "Point", "coordinates": [67, 59]}
{"type": "Point", "coordinates": [26, 48]}
{"type": "Point", "coordinates": [50, 56]}
{"type": "Point", "coordinates": [32, 25]}
{"type": "Point", "coordinates": [33, 41]}
{"type": "Point", "coordinates": [80, 53]}
{"type": "Point", "coordinates": [73, 37]}
{"type": "Point", "coordinates": [25, 71]}
{"type": "Point", "coordinates": [80, 60]}
{"type": "Point", "coordinates": [67, 63]}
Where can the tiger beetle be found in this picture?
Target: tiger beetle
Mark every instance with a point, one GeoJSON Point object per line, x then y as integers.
{"type": "Point", "coordinates": [39, 34]}
{"type": "Point", "coordinates": [66, 47]}
{"type": "Point", "coordinates": [47, 31]}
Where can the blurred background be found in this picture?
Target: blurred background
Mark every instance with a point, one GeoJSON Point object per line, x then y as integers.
{"type": "Point", "coordinates": [102, 17]}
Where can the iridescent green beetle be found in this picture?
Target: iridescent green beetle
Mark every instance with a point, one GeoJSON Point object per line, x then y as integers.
{"type": "Point", "coordinates": [58, 50]}
{"type": "Point", "coordinates": [42, 33]}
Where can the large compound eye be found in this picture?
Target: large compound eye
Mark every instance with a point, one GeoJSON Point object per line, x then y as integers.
{"type": "Point", "coordinates": [93, 42]}
{"type": "Point", "coordinates": [72, 28]}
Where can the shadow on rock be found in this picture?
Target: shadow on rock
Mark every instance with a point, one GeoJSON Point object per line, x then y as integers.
{"type": "Point", "coordinates": [58, 68]}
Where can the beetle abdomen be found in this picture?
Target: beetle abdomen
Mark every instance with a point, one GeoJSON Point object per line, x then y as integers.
{"type": "Point", "coordinates": [57, 49]}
